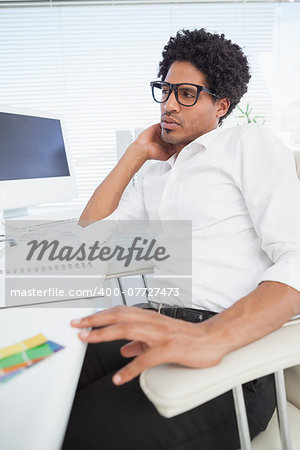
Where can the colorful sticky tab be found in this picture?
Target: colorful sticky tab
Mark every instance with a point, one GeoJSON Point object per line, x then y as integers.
{"type": "Point", "coordinates": [12, 360]}
{"type": "Point", "coordinates": [35, 340]}
{"type": "Point", "coordinates": [21, 346]}
{"type": "Point", "coordinates": [25, 354]}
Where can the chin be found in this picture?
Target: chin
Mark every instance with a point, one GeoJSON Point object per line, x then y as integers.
{"type": "Point", "coordinates": [170, 138]}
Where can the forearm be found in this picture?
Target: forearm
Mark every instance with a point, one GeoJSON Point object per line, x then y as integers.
{"type": "Point", "coordinates": [262, 311]}
{"type": "Point", "coordinates": [106, 197]}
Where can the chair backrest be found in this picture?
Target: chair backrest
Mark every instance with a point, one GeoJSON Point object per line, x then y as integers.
{"type": "Point", "coordinates": [123, 139]}
{"type": "Point", "coordinates": [292, 375]}
{"type": "Point", "coordinates": [297, 159]}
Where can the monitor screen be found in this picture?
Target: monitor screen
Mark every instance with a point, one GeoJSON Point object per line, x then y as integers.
{"type": "Point", "coordinates": [35, 165]}
{"type": "Point", "coordinates": [31, 147]}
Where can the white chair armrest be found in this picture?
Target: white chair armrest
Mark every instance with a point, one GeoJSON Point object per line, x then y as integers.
{"type": "Point", "coordinates": [174, 389]}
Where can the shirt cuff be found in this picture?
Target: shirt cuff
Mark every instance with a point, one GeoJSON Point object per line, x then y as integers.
{"type": "Point", "coordinates": [287, 272]}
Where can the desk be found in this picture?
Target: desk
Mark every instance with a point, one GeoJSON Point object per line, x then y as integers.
{"type": "Point", "coordinates": [35, 405]}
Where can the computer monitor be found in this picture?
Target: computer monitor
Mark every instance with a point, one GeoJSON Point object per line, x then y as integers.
{"type": "Point", "coordinates": [35, 166]}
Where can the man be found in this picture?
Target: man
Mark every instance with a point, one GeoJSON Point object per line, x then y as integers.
{"type": "Point", "coordinates": [239, 187]}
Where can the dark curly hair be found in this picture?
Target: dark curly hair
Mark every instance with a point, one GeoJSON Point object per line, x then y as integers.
{"type": "Point", "coordinates": [223, 63]}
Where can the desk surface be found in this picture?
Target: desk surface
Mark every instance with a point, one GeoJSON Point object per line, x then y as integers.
{"type": "Point", "coordinates": [35, 405]}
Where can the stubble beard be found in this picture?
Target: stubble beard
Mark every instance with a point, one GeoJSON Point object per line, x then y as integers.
{"type": "Point", "coordinates": [168, 137]}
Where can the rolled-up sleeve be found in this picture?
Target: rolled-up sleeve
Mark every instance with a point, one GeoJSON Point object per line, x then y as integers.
{"type": "Point", "coordinates": [266, 175]}
{"type": "Point", "coordinates": [131, 205]}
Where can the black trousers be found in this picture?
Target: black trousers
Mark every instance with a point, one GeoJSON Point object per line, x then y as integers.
{"type": "Point", "coordinates": [109, 417]}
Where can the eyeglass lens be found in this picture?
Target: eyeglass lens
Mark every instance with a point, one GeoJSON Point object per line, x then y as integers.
{"type": "Point", "coordinates": [186, 94]}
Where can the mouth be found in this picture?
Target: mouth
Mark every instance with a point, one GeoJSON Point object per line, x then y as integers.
{"type": "Point", "coordinates": [168, 123]}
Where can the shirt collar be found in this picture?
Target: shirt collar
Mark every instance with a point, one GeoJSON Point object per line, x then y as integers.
{"type": "Point", "coordinates": [206, 139]}
{"type": "Point", "coordinates": [171, 160]}
{"type": "Point", "coordinates": [201, 142]}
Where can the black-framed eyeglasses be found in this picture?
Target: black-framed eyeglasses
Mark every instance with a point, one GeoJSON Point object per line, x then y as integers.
{"type": "Point", "coordinates": [186, 94]}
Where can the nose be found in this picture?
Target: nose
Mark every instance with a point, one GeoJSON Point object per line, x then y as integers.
{"type": "Point", "coordinates": [171, 104]}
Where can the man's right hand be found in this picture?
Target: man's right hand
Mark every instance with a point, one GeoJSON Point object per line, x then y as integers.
{"type": "Point", "coordinates": [152, 146]}
{"type": "Point", "coordinates": [148, 145]}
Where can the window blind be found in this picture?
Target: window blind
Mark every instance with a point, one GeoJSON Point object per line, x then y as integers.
{"type": "Point", "coordinates": [11, 3]}
{"type": "Point", "coordinates": [92, 64]}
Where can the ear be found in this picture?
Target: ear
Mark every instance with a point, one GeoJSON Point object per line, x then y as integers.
{"type": "Point", "coordinates": [223, 106]}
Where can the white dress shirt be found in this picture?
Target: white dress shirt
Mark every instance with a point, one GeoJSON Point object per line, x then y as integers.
{"type": "Point", "coordinates": [240, 189]}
